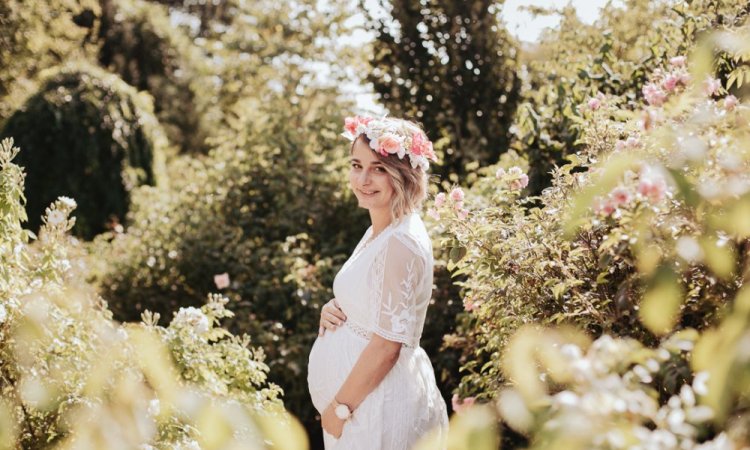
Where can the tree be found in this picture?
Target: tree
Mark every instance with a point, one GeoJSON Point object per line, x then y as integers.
{"type": "Point", "coordinates": [452, 66]}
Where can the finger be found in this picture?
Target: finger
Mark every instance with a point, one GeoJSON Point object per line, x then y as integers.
{"type": "Point", "coordinates": [335, 318]}
{"type": "Point", "coordinates": [330, 325]}
{"type": "Point", "coordinates": [321, 330]}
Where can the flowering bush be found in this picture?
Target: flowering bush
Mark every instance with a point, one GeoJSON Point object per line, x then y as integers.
{"type": "Point", "coordinates": [642, 234]}
{"type": "Point", "coordinates": [72, 377]}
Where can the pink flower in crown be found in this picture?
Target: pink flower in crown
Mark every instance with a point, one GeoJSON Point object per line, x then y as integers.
{"type": "Point", "coordinates": [457, 194]}
{"type": "Point", "coordinates": [419, 144]}
{"type": "Point", "coordinates": [355, 125]}
{"type": "Point", "coordinates": [389, 144]}
{"type": "Point", "coordinates": [221, 280]}
{"type": "Point", "coordinates": [460, 405]}
{"type": "Point", "coordinates": [711, 86]}
{"type": "Point", "coordinates": [678, 61]}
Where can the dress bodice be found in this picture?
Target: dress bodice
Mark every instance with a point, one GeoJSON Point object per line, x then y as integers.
{"type": "Point", "coordinates": [386, 284]}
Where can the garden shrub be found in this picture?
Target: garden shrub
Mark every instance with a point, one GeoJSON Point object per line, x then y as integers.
{"type": "Point", "coordinates": [646, 238]}
{"type": "Point", "coordinates": [138, 42]}
{"type": "Point", "coordinates": [613, 56]}
{"type": "Point", "coordinates": [74, 378]}
{"type": "Point", "coordinates": [88, 135]}
{"type": "Point", "coordinates": [39, 34]}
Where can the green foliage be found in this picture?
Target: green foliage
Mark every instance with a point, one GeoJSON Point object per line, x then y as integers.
{"type": "Point", "coordinates": [90, 136]}
{"type": "Point", "coordinates": [643, 234]}
{"type": "Point", "coordinates": [138, 42]}
{"type": "Point", "coordinates": [37, 35]}
{"type": "Point", "coordinates": [613, 56]}
{"type": "Point", "coordinates": [72, 378]}
{"type": "Point", "coordinates": [452, 66]}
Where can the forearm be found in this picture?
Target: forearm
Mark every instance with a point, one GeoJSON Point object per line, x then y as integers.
{"type": "Point", "coordinates": [376, 360]}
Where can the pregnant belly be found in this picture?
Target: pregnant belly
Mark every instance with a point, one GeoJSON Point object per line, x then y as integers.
{"type": "Point", "coordinates": [331, 359]}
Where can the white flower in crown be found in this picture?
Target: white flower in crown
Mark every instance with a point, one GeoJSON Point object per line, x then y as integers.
{"type": "Point", "coordinates": [392, 137]}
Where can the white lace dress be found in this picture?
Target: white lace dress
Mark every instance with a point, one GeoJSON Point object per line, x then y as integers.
{"type": "Point", "coordinates": [384, 288]}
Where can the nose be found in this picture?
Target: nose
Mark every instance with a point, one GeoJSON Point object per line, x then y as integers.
{"type": "Point", "coordinates": [364, 177]}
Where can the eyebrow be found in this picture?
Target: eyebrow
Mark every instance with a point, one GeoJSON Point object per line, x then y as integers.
{"type": "Point", "coordinates": [374, 163]}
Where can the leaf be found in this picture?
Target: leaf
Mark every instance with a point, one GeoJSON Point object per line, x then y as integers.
{"type": "Point", "coordinates": [660, 305]}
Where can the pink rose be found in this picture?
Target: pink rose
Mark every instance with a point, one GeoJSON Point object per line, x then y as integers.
{"type": "Point", "coordinates": [678, 61]}
{"type": "Point", "coordinates": [457, 194]}
{"type": "Point", "coordinates": [730, 102]}
{"type": "Point", "coordinates": [440, 200]}
{"type": "Point", "coordinates": [420, 145]}
{"type": "Point", "coordinates": [356, 125]}
{"type": "Point", "coordinates": [461, 405]}
{"type": "Point", "coordinates": [389, 144]}
{"type": "Point", "coordinates": [221, 280]}
{"type": "Point", "coordinates": [711, 86]}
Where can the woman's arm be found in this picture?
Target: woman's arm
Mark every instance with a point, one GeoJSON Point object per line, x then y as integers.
{"type": "Point", "coordinates": [373, 364]}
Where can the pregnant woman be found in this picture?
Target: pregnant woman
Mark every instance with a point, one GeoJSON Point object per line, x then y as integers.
{"type": "Point", "coordinates": [371, 382]}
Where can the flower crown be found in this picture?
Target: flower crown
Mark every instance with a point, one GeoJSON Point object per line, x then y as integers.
{"type": "Point", "coordinates": [392, 136]}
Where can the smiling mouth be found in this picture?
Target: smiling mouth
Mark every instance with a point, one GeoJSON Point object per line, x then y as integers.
{"type": "Point", "coordinates": [368, 192]}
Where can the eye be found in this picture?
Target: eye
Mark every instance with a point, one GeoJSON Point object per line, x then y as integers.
{"type": "Point", "coordinates": [380, 169]}
{"type": "Point", "coordinates": [356, 166]}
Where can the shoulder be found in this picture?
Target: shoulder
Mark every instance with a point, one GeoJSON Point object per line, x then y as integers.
{"type": "Point", "coordinates": [412, 234]}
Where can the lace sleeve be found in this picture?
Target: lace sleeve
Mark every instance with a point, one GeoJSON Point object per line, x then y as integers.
{"type": "Point", "coordinates": [398, 273]}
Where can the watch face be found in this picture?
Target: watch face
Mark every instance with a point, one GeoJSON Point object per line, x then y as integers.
{"type": "Point", "coordinates": [342, 412]}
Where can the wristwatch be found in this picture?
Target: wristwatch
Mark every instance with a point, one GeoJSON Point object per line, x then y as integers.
{"type": "Point", "coordinates": [341, 410]}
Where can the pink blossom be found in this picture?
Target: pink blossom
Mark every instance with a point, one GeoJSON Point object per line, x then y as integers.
{"type": "Point", "coordinates": [620, 145]}
{"type": "Point", "coordinates": [388, 144]}
{"type": "Point", "coordinates": [670, 82]}
{"type": "Point", "coordinates": [678, 61]}
{"type": "Point", "coordinates": [632, 142]}
{"type": "Point", "coordinates": [711, 86]}
{"type": "Point", "coordinates": [652, 185]}
{"type": "Point", "coordinates": [440, 200]}
{"type": "Point", "coordinates": [730, 102]}
{"type": "Point", "coordinates": [594, 104]}
{"type": "Point", "coordinates": [605, 207]}
{"type": "Point", "coordinates": [457, 194]}
{"type": "Point", "coordinates": [469, 305]}
{"type": "Point", "coordinates": [619, 196]}
{"type": "Point", "coordinates": [221, 280]}
{"type": "Point", "coordinates": [458, 205]}
{"type": "Point", "coordinates": [461, 405]}
{"type": "Point", "coordinates": [432, 212]}
{"type": "Point", "coordinates": [685, 78]}
{"type": "Point", "coordinates": [519, 183]}
{"type": "Point", "coordinates": [515, 171]}
{"type": "Point", "coordinates": [462, 214]}
{"type": "Point", "coordinates": [500, 173]}
{"type": "Point", "coordinates": [653, 95]}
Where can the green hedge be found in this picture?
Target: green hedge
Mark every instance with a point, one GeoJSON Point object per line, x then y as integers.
{"type": "Point", "coordinates": [90, 136]}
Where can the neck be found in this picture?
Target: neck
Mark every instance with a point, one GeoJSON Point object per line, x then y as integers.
{"type": "Point", "coordinates": [380, 220]}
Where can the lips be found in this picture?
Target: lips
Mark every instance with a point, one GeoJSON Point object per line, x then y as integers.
{"type": "Point", "coordinates": [368, 192]}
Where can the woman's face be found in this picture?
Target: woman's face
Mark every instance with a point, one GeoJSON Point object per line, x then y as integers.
{"type": "Point", "coordinates": [369, 179]}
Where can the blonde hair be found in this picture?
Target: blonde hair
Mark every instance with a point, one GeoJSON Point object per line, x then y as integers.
{"type": "Point", "coordinates": [409, 184]}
